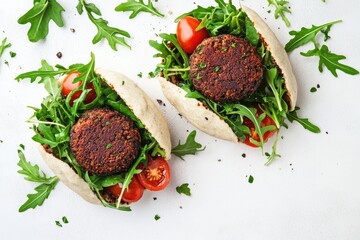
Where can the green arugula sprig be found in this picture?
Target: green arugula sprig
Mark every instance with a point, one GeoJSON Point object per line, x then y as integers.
{"type": "Point", "coordinates": [39, 17]}
{"type": "Point", "coordinates": [189, 147]}
{"type": "Point", "coordinates": [326, 57]}
{"type": "Point", "coordinates": [4, 45]}
{"type": "Point", "coordinates": [54, 119]}
{"type": "Point", "coordinates": [293, 116]}
{"type": "Point", "coordinates": [306, 35]}
{"type": "Point", "coordinates": [281, 9]}
{"type": "Point", "coordinates": [32, 173]}
{"type": "Point", "coordinates": [137, 7]}
{"type": "Point", "coordinates": [226, 19]}
{"type": "Point", "coordinates": [111, 34]}
{"type": "Point", "coordinates": [330, 60]}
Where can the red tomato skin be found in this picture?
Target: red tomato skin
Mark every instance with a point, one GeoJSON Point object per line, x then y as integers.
{"type": "Point", "coordinates": [156, 176]}
{"type": "Point", "coordinates": [68, 86]}
{"type": "Point", "coordinates": [132, 194]}
{"type": "Point", "coordinates": [187, 35]}
{"type": "Point", "coordinates": [267, 121]}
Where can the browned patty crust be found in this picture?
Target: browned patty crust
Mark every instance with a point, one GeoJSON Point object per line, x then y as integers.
{"type": "Point", "coordinates": [105, 142]}
{"type": "Point", "coordinates": [225, 68]}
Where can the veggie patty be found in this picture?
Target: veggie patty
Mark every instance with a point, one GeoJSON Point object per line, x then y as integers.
{"type": "Point", "coordinates": [226, 68]}
{"type": "Point", "coordinates": [105, 142]}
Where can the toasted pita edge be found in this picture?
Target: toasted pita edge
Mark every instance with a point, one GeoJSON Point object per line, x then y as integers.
{"type": "Point", "coordinates": [141, 105]}
{"type": "Point", "coordinates": [69, 177]}
{"type": "Point", "coordinates": [278, 53]}
{"type": "Point", "coordinates": [194, 111]}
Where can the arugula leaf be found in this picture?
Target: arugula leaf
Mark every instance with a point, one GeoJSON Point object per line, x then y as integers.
{"type": "Point", "coordinates": [189, 147]}
{"type": "Point", "coordinates": [136, 7]}
{"type": "Point", "coordinates": [306, 35]}
{"type": "Point", "coordinates": [252, 36]}
{"type": "Point", "coordinates": [32, 173]}
{"type": "Point", "coordinates": [184, 189]}
{"type": "Point", "coordinates": [111, 34]}
{"type": "Point", "coordinates": [42, 193]}
{"type": "Point", "coordinates": [292, 116]}
{"type": "Point", "coordinates": [3, 46]}
{"type": "Point", "coordinates": [330, 60]}
{"type": "Point", "coordinates": [280, 9]}
{"type": "Point", "coordinates": [39, 17]}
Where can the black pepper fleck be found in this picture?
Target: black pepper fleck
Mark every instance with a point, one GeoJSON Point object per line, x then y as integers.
{"type": "Point", "coordinates": [59, 54]}
{"type": "Point", "coordinates": [72, 30]}
{"type": "Point", "coordinates": [318, 85]}
{"type": "Point", "coordinates": [243, 155]}
{"type": "Point", "coordinates": [155, 198]}
{"type": "Point", "coordinates": [206, 118]}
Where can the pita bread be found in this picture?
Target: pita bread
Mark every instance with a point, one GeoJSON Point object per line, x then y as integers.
{"type": "Point", "coordinates": [194, 111]}
{"type": "Point", "coordinates": [143, 108]}
{"type": "Point", "coordinates": [278, 53]}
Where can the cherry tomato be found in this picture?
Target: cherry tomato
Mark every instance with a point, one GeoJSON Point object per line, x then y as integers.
{"type": "Point", "coordinates": [187, 35]}
{"type": "Point", "coordinates": [156, 176]}
{"type": "Point", "coordinates": [68, 86]}
{"type": "Point", "coordinates": [132, 194]}
{"type": "Point", "coordinates": [267, 121]}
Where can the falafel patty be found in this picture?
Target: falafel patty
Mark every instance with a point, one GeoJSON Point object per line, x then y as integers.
{"type": "Point", "coordinates": [105, 142]}
{"type": "Point", "coordinates": [225, 68]}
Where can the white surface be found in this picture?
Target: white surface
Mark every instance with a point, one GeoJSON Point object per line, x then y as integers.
{"type": "Point", "coordinates": [312, 192]}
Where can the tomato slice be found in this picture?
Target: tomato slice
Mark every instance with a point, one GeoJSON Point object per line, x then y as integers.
{"type": "Point", "coordinates": [132, 194]}
{"type": "Point", "coordinates": [187, 35]}
{"type": "Point", "coordinates": [68, 86]}
{"type": "Point", "coordinates": [267, 121]}
{"type": "Point", "coordinates": [156, 176]}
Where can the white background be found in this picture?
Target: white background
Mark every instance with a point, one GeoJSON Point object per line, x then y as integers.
{"type": "Point", "coordinates": [311, 192]}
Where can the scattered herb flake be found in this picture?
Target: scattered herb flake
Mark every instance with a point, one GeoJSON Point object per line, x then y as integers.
{"type": "Point", "coordinates": [156, 217]}
{"type": "Point", "coordinates": [12, 54]}
{"type": "Point", "coordinates": [313, 89]}
{"type": "Point", "coordinates": [217, 69]}
{"type": "Point", "coordinates": [202, 65]}
{"type": "Point", "coordinates": [140, 75]}
{"type": "Point", "coordinates": [107, 123]}
{"type": "Point", "coordinates": [108, 146]}
{"type": "Point", "coordinates": [58, 223]}
{"type": "Point", "coordinates": [184, 189]}
{"type": "Point", "coordinates": [65, 220]}
{"type": "Point", "coordinates": [251, 179]}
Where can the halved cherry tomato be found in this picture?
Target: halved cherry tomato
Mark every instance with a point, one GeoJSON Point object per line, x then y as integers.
{"type": "Point", "coordinates": [187, 35]}
{"type": "Point", "coordinates": [132, 194]}
{"type": "Point", "coordinates": [267, 121]}
{"type": "Point", "coordinates": [68, 86]}
{"type": "Point", "coordinates": [156, 176]}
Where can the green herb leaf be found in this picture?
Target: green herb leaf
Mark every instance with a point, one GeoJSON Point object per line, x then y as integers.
{"type": "Point", "coordinates": [330, 61]}
{"type": "Point", "coordinates": [42, 193]}
{"type": "Point", "coordinates": [12, 54]}
{"type": "Point", "coordinates": [156, 217]}
{"type": "Point", "coordinates": [189, 147]}
{"type": "Point", "coordinates": [111, 34]}
{"type": "Point", "coordinates": [33, 174]}
{"type": "Point", "coordinates": [39, 17]}
{"type": "Point", "coordinates": [136, 7]}
{"type": "Point", "coordinates": [65, 220]}
{"type": "Point", "coordinates": [313, 89]}
{"type": "Point", "coordinates": [280, 9]}
{"type": "Point", "coordinates": [251, 179]}
{"type": "Point", "coordinates": [292, 116]}
{"type": "Point", "coordinates": [306, 35]}
{"type": "Point", "coordinates": [3, 46]}
{"type": "Point", "coordinates": [58, 223]}
{"type": "Point", "coordinates": [184, 189]}
{"type": "Point", "coordinates": [252, 36]}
